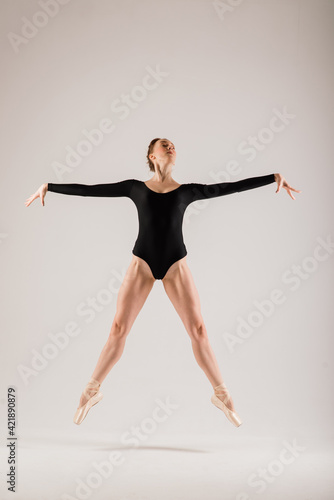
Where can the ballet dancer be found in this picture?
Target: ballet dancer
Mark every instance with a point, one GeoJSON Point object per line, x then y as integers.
{"type": "Point", "coordinates": [159, 253]}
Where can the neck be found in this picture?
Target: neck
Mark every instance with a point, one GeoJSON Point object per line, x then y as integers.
{"type": "Point", "coordinates": [162, 174]}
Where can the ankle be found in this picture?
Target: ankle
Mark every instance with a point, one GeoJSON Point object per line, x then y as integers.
{"type": "Point", "coordinates": [222, 385]}
{"type": "Point", "coordinates": [94, 381]}
{"type": "Point", "coordinates": [91, 388]}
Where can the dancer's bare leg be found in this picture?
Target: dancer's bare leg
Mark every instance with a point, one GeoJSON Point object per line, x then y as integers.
{"type": "Point", "coordinates": [181, 290]}
{"type": "Point", "coordinates": [136, 286]}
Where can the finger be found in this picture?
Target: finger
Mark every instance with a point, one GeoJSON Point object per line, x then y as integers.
{"type": "Point", "coordinates": [290, 187]}
{"type": "Point", "coordinates": [31, 199]}
{"type": "Point", "coordinates": [291, 194]}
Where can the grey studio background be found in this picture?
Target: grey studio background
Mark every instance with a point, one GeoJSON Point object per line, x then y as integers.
{"type": "Point", "coordinates": [236, 84]}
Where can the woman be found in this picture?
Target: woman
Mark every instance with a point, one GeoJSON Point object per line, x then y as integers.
{"type": "Point", "coordinates": [159, 253]}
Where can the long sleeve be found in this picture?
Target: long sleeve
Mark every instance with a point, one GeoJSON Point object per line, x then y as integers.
{"type": "Point", "coordinates": [201, 191]}
{"type": "Point", "coordinates": [122, 188]}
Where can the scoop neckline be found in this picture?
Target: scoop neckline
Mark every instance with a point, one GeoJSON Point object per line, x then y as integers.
{"type": "Point", "coordinates": [167, 192]}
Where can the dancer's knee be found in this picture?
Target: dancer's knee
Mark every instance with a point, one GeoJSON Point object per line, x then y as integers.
{"type": "Point", "coordinates": [119, 329]}
{"type": "Point", "coordinates": [197, 331]}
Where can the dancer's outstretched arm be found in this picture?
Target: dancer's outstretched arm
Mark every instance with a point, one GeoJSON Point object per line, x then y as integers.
{"type": "Point", "coordinates": [121, 188]}
{"type": "Point", "coordinates": [202, 191]}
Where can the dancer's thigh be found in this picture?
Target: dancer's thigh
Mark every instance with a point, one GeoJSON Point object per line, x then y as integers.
{"type": "Point", "coordinates": [182, 292]}
{"type": "Point", "coordinates": [133, 292]}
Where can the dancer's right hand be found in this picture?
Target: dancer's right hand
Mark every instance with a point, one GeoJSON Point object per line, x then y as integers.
{"type": "Point", "coordinates": [41, 192]}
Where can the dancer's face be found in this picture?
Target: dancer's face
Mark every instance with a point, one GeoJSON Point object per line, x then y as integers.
{"type": "Point", "coordinates": [164, 151]}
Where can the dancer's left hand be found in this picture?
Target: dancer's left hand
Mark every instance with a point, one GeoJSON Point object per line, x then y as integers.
{"type": "Point", "coordinates": [282, 183]}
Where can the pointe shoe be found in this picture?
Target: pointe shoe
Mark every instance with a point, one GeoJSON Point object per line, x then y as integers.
{"type": "Point", "coordinates": [82, 411]}
{"type": "Point", "coordinates": [221, 390]}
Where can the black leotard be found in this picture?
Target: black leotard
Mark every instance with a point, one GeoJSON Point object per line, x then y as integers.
{"type": "Point", "coordinates": [160, 240]}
